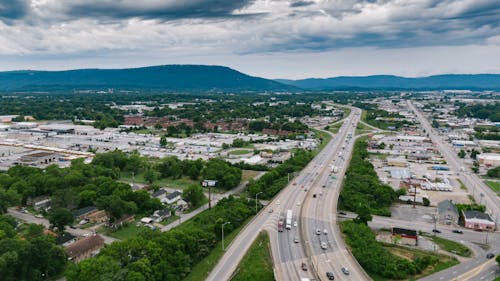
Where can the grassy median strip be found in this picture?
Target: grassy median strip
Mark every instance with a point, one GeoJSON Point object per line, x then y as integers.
{"type": "Point", "coordinates": [451, 246]}
{"type": "Point", "coordinates": [257, 263]}
{"type": "Point", "coordinates": [495, 186]}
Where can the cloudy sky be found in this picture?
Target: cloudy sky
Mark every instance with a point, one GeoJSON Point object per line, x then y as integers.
{"type": "Point", "coordinates": [268, 38]}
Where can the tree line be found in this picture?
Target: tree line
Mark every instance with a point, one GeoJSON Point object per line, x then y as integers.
{"type": "Point", "coordinates": [362, 189]}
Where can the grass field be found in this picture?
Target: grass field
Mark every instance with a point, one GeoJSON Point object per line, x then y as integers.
{"type": "Point", "coordinates": [240, 152]}
{"type": "Point", "coordinates": [257, 262]}
{"type": "Point", "coordinates": [172, 183]}
{"type": "Point", "coordinates": [495, 186]}
{"type": "Point", "coordinates": [451, 246]}
{"type": "Point", "coordinates": [127, 231]}
{"type": "Point", "coordinates": [335, 127]}
{"type": "Point", "coordinates": [248, 174]}
{"type": "Point", "coordinates": [362, 128]}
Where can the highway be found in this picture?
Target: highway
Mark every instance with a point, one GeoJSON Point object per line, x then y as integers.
{"type": "Point", "coordinates": [287, 254]}
{"type": "Point", "coordinates": [473, 183]}
{"type": "Point", "coordinates": [319, 214]}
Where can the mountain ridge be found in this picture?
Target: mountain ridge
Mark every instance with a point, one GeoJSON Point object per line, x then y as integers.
{"type": "Point", "coordinates": [162, 77]}
{"type": "Point", "coordinates": [393, 82]}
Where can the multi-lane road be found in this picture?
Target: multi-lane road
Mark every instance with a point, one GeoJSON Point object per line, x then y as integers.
{"type": "Point", "coordinates": [475, 185]}
{"type": "Point", "coordinates": [300, 244]}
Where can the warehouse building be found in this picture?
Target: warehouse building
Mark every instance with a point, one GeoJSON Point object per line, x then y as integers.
{"type": "Point", "coordinates": [489, 159]}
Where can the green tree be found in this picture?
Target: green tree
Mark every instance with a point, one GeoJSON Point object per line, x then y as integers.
{"type": "Point", "coordinates": [194, 195]}
{"type": "Point", "coordinates": [60, 218]}
{"type": "Point", "coordinates": [461, 154]}
{"type": "Point", "coordinates": [474, 153]}
{"type": "Point", "coordinates": [163, 141]}
{"type": "Point", "coordinates": [150, 175]}
{"type": "Point", "coordinates": [364, 215]}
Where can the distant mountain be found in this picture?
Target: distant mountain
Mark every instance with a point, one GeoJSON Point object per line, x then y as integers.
{"type": "Point", "coordinates": [166, 77]}
{"type": "Point", "coordinates": [389, 82]}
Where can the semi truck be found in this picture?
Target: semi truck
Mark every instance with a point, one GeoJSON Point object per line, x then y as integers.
{"type": "Point", "coordinates": [288, 219]}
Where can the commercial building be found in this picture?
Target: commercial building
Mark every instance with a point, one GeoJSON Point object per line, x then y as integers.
{"type": "Point", "coordinates": [405, 236]}
{"type": "Point", "coordinates": [478, 221]}
{"type": "Point", "coordinates": [448, 212]}
{"type": "Point", "coordinates": [39, 158]}
{"type": "Point", "coordinates": [489, 159]}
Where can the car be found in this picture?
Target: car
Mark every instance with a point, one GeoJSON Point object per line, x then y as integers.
{"type": "Point", "coordinates": [270, 210]}
{"type": "Point", "coordinates": [314, 195]}
{"type": "Point", "coordinates": [72, 227]}
{"type": "Point", "coordinates": [325, 231]}
{"type": "Point", "coordinates": [323, 245]}
{"type": "Point", "coordinates": [38, 216]}
{"type": "Point", "coordinates": [304, 266]}
{"type": "Point", "coordinates": [345, 270]}
{"type": "Point", "coordinates": [296, 240]}
{"type": "Point", "coordinates": [295, 223]}
{"type": "Point", "coordinates": [490, 255]}
{"type": "Point", "coordinates": [330, 275]}
{"type": "Point", "coordinates": [84, 221]}
{"type": "Point", "coordinates": [318, 231]}
{"type": "Point", "coordinates": [436, 230]}
{"type": "Point", "coordinates": [277, 202]}
{"type": "Point", "coordinates": [323, 186]}
{"type": "Point", "coordinates": [342, 213]}
{"type": "Point", "coordinates": [294, 183]}
{"type": "Point", "coordinates": [298, 203]}
{"type": "Point", "coordinates": [457, 231]}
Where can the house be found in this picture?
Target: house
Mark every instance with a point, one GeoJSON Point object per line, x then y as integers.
{"type": "Point", "coordinates": [160, 215]}
{"type": "Point", "coordinates": [65, 239]}
{"type": "Point", "coordinates": [146, 220]}
{"type": "Point", "coordinates": [477, 221]}
{"type": "Point", "coordinates": [172, 197]}
{"type": "Point", "coordinates": [40, 203]}
{"type": "Point", "coordinates": [85, 247]}
{"type": "Point", "coordinates": [448, 212]}
{"type": "Point", "coordinates": [182, 205]}
{"type": "Point", "coordinates": [405, 236]}
{"type": "Point", "coordinates": [91, 213]}
{"type": "Point", "coordinates": [160, 194]}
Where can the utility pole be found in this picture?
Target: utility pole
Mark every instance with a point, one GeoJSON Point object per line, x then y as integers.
{"type": "Point", "coordinates": [257, 194]}
{"type": "Point", "coordinates": [209, 198]}
{"type": "Point", "coordinates": [222, 230]}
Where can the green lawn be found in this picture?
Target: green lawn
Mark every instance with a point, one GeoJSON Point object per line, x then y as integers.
{"type": "Point", "coordinates": [495, 186]}
{"type": "Point", "coordinates": [203, 268]}
{"type": "Point", "coordinates": [362, 129]}
{"type": "Point", "coordinates": [172, 183]}
{"type": "Point", "coordinates": [324, 136]}
{"type": "Point", "coordinates": [127, 231]}
{"type": "Point", "coordinates": [451, 246]}
{"type": "Point", "coordinates": [257, 263]}
{"type": "Point", "coordinates": [240, 152]}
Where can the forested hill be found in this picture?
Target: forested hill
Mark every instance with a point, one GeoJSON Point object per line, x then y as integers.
{"type": "Point", "coordinates": [389, 82]}
{"type": "Point", "coordinates": [166, 77]}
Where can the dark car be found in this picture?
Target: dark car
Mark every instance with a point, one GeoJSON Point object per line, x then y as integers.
{"type": "Point", "coordinates": [342, 213]}
{"type": "Point", "coordinates": [304, 266]}
{"type": "Point", "coordinates": [330, 276]}
{"type": "Point", "coordinates": [436, 230]}
{"type": "Point", "coordinates": [457, 231]}
{"type": "Point", "coordinates": [490, 255]}
{"type": "Point", "coordinates": [314, 195]}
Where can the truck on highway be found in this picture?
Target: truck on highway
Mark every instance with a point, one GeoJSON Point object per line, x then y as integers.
{"type": "Point", "coordinates": [281, 223]}
{"type": "Point", "coordinates": [288, 219]}
{"type": "Point", "coordinates": [334, 169]}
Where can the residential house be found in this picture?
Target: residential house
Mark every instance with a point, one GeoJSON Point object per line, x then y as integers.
{"type": "Point", "coordinates": [85, 247]}
{"type": "Point", "coordinates": [182, 205]}
{"type": "Point", "coordinates": [40, 203]}
{"type": "Point", "coordinates": [91, 213]}
{"type": "Point", "coordinates": [161, 194]}
{"type": "Point", "coordinates": [172, 197]}
{"type": "Point", "coordinates": [448, 212]}
{"type": "Point", "coordinates": [160, 215]}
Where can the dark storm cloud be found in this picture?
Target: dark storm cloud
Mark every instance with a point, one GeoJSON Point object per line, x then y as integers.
{"type": "Point", "coordinates": [12, 9]}
{"type": "Point", "coordinates": [163, 10]}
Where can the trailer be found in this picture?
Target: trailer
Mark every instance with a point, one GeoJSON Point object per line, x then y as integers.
{"type": "Point", "coordinates": [288, 219]}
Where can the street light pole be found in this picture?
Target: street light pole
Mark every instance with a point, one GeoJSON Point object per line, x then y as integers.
{"type": "Point", "coordinates": [222, 230]}
{"type": "Point", "coordinates": [257, 194]}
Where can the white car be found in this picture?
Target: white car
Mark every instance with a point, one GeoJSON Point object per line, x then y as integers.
{"type": "Point", "coordinates": [325, 232]}
{"type": "Point", "coordinates": [318, 231]}
{"type": "Point", "coordinates": [84, 221]}
{"type": "Point", "coordinates": [295, 223]}
{"type": "Point", "coordinates": [323, 245]}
